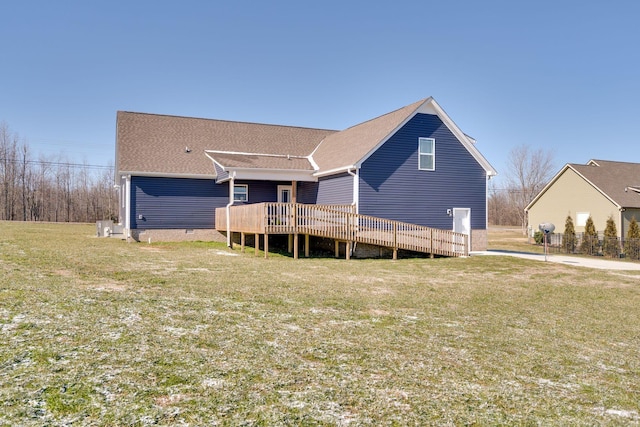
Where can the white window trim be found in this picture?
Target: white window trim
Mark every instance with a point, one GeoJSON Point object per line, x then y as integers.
{"type": "Point", "coordinates": [284, 187]}
{"type": "Point", "coordinates": [433, 154]}
{"type": "Point", "coordinates": [246, 191]}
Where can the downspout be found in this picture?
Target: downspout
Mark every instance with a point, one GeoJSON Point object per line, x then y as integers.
{"type": "Point", "coordinates": [622, 210]}
{"type": "Point", "coordinates": [127, 207]}
{"type": "Point", "coordinates": [231, 200]}
{"type": "Point", "coordinates": [486, 203]}
{"type": "Point", "coordinates": [356, 197]}
{"type": "Point", "coordinates": [356, 188]}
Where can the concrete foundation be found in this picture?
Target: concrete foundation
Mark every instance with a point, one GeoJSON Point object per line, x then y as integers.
{"type": "Point", "coordinates": [479, 240]}
{"type": "Point", "coordinates": [177, 235]}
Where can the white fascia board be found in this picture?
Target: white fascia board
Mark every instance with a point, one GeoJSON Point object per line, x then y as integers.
{"type": "Point", "coordinates": [343, 169]}
{"type": "Point", "coordinates": [167, 175]}
{"type": "Point", "coordinates": [314, 165]}
{"type": "Point", "coordinates": [430, 107]}
{"type": "Point", "coordinates": [273, 174]}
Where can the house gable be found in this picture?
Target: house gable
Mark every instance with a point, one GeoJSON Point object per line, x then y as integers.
{"type": "Point", "coordinates": [350, 148]}
{"type": "Point", "coordinates": [392, 186]}
{"type": "Point", "coordinates": [570, 193]}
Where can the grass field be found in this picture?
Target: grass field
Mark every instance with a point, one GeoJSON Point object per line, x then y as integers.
{"type": "Point", "coordinates": [101, 332]}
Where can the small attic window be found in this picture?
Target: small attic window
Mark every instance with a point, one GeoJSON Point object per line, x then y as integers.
{"type": "Point", "coordinates": [426, 154]}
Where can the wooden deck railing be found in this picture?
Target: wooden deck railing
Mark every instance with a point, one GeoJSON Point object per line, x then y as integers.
{"type": "Point", "coordinates": [340, 222]}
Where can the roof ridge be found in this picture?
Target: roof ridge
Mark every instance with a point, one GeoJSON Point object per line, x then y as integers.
{"type": "Point", "coordinates": [420, 102]}
{"type": "Point", "coordinates": [613, 161]}
{"type": "Point", "coordinates": [225, 121]}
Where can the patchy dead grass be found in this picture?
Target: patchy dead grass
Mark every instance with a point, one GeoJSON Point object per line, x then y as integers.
{"type": "Point", "coordinates": [101, 332]}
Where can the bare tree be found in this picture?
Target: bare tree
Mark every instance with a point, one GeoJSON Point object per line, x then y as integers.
{"type": "Point", "coordinates": [51, 188]}
{"type": "Point", "coordinates": [8, 173]}
{"type": "Point", "coordinates": [501, 210]}
{"type": "Point", "coordinates": [528, 171]}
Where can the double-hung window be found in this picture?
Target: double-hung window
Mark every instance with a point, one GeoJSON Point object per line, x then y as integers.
{"type": "Point", "coordinates": [426, 154]}
{"type": "Point", "coordinates": [240, 193]}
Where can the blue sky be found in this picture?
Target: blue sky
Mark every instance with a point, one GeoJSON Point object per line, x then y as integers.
{"type": "Point", "coordinates": [558, 75]}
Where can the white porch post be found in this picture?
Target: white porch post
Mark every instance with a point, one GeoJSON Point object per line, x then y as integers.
{"type": "Point", "coordinates": [231, 200]}
{"type": "Point", "coordinates": [127, 206]}
{"type": "Point", "coordinates": [356, 188]}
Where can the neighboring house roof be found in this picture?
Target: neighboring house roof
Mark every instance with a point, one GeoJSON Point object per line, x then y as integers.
{"type": "Point", "coordinates": [169, 145]}
{"type": "Point", "coordinates": [617, 181]}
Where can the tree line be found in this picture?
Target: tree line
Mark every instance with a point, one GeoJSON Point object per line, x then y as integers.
{"type": "Point", "coordinates": [40, 188]}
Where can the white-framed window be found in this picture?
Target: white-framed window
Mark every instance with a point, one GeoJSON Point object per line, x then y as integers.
{"type": "Point", "coordinates": [284, 193]}
{"type": "Point", "coordinates": [426, 154]}
{"type": "Point", "coordinates": [240, 193]}
{"type": "Point", "coordinates": [581, 218]}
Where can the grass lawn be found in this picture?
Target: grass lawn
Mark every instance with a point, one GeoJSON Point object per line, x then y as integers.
{"type": "Point", "coordinates": [101, 332]}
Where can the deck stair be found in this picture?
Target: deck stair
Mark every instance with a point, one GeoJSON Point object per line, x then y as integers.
{"type": "Point", "coordinates": [341, 223]}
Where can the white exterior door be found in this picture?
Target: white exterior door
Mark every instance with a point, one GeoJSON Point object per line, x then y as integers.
{"type": "Point", "coordinates": [284, 212]}
{"type": "Point", "coordinates": [462, 222]}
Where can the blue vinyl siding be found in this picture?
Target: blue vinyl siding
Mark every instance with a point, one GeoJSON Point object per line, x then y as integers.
{"type": "Point", "coordinates": [167, 203]}
{"type": "Point", "coordinates": [391, 186]}
{"type": "Point", "coordinates": [170, 203]}
{"type": "Point", "coordinates": [307, 192]}
{"type": "Point", "coordinates": [337, 189]}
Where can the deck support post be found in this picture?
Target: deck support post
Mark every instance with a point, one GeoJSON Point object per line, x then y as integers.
{"type": "Point", "coordinates": [295, 246]}
{"type": "Point", "coordinates": [266, 245]}
{"type": "Point", "coordinates": [242, 241]}
{"type": "Point", "coordinates": [257, 244]}
{"type": "Point", "coordinates": [466, 245]}
{"type": "Point", "coordinates": [306, 246]}
{"type": "Point", "coordinates": [348, 250]}
{"type": "Point", "coordinates": [395, 254]}
{"type": "Point", "coordinates": [290, 243]}
{"type": "Point", "coordinates": [337, 249]}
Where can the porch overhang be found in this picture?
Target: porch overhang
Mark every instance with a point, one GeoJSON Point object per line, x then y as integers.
{"type": "Point", "coordinates": [268, 175]}
{"type": "Point", "coordinates": [262, 167]}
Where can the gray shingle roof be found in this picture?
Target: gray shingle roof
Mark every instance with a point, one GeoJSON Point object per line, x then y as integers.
{"type": "Point", "coordinates": [346, 148]}
{"type": "Point", "coordinates": [153, 143]}
{"type": "Point", "coordinates": [176, 146]}
{"type": "Point", "coordinates": [262, 161]}
{"type": "Point", "coordinates": [612, 178]}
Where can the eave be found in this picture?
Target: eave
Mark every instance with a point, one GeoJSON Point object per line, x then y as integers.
{"type": "Point", "coordinates": [269, 174]}
{"type": "Point", "coordinates": [166, 175]}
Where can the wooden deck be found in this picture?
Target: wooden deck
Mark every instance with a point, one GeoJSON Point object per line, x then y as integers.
{"type": "Point", "coordinates": [341, 223]}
